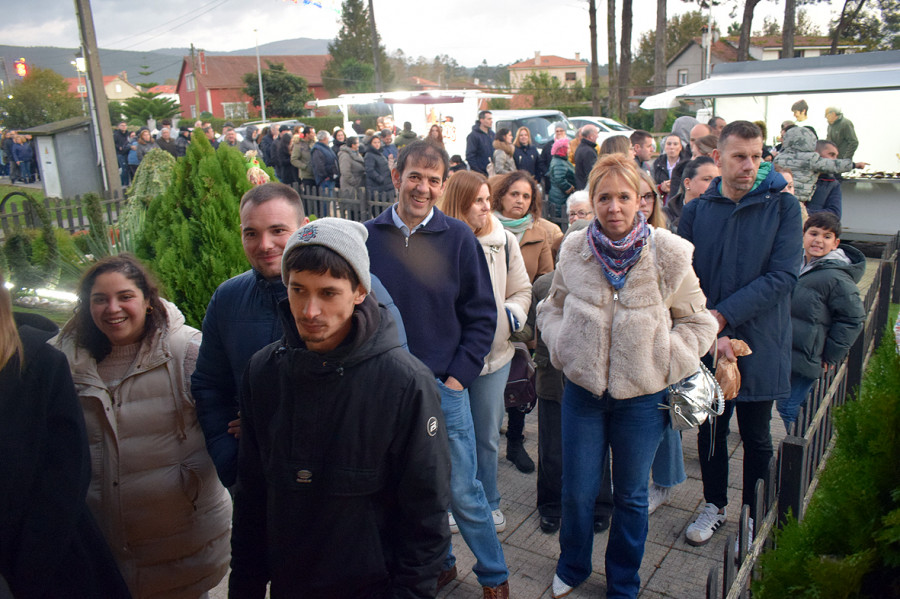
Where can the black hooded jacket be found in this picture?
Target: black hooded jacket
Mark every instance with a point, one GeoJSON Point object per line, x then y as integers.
{"type": "Point", "coordinates": [343, 470]}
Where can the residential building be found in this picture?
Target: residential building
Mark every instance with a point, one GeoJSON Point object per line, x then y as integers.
{"type": "Point", "coordinates": [217, 84]}
{"type": "Point", "coordinates": [565, 70]}
{"type": "Point", "coordinates": [117, 86]}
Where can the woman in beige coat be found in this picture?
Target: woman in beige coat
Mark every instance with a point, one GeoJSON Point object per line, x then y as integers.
{"type": "Point", "coordinates": [154, 490]}
{"type": "Point", "coordinates": [467, 197]}
{"type": "Point", "coordinates": [516, 200]}
{"type": "Point", "coordinates": [625, 318]}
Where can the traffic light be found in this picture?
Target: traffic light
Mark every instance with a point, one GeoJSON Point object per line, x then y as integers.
{"type": "Point", "coordinates": [21, 68]}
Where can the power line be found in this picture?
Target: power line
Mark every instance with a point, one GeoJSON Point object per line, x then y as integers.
{"type": "Point", "coordinates": [189, 18]}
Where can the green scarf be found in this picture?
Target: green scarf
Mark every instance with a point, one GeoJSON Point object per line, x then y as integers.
{"type": "Point", "coordinates": [516, 226]}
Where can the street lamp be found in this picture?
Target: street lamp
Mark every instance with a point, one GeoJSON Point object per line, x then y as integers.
{"type": "Point", "coordinates": [262, 98]}
{"type": "Point", "coordinates": [78, 63]}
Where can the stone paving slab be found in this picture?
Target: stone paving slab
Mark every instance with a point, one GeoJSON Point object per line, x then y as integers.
{"type": "Point", "coordinates": [671, 569]}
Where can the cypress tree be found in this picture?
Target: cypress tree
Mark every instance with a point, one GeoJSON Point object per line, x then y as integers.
{"type": "Point", "coordinates": [191, 235]}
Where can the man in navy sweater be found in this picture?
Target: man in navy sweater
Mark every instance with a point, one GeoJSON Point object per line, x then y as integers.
{"type": "Point", "coordinates": [435, 270]}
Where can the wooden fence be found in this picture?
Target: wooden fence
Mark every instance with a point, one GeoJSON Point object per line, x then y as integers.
{"type": "Point", "coordinates": [68, 214]}
{"type": "Point", "coordinates": [794, 474]}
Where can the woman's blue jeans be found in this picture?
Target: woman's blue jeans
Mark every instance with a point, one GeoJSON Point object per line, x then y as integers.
{"type": "Point", "coordinates": [467, 500]}
{"type": "Point", "coordinates": [486, 402]}
{"type": "Point", "coordinates": [632, 429]}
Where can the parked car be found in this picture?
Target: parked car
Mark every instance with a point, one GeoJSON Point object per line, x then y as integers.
{"type": "Point", "coordinates": [263, 125]}
{"type": "Point", "coordinates": [608, 127]}
{"type": "Point", "coordinates": [541, 123]}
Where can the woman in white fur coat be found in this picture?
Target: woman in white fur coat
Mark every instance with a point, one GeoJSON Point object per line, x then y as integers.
{"type": "Point", "coordinates": [625, 318]}
{"type": "Point", "coordinates": [468, 198]}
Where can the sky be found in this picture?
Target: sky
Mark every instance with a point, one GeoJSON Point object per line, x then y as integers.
{"type": "Point", "coordinates": [499, 31]}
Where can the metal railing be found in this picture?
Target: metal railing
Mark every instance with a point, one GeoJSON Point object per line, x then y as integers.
{"type": "Point", "coordinates": [794, 475]}
{"type": "Point", "coordinates": [69, 214]}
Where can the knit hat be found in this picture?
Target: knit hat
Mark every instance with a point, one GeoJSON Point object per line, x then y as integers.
{"type": "Point", "coordinates": [346, 238]}
{"type": "Point", "coordinates": [560, 147]}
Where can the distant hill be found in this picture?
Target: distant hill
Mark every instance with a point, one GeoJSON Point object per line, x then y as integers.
{"type": "Point", "coordinates": [165, 62]}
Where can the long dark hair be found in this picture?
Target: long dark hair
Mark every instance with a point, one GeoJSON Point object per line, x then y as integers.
{"type": "Point", "coordinates": [82, 326]}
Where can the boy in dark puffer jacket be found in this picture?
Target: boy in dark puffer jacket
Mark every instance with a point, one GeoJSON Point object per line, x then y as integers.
{"type": "Point", "coordinates": [826, 312]}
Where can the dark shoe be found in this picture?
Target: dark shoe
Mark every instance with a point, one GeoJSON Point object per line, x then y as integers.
{"type": "Point", "coordinates": [550, 524]}
{"type": "Point", "coordinates": [446, 577]}
{"type": "Point", "coordinates": [497, 592]}
{"type": "Point", "coordinates": [601, 523]}
{"type": "Point", "coordinates": [515, 453]}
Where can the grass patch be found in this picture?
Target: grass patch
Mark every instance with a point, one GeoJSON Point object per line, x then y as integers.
{"type": "Point", "coordinates": [16, 201]}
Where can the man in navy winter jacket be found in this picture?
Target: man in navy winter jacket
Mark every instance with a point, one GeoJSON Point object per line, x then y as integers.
{"type": "Point", "coordinates": [435, 270]}
{"type": "Point", "coordinates": [242, 317]}
{"type": "Point", "coordinates": [480, 143]}
{"type": "Point", "coordinates": [747, 250]}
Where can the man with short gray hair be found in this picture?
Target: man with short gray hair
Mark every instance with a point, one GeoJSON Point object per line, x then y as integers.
{"type": "Point", "coordinates": [841, 133]}
{"type": "Point", "coordinates": [324, 164]}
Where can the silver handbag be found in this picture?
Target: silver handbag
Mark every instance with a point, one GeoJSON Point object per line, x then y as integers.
{"type": "Point", "coordinates": [695, 398]}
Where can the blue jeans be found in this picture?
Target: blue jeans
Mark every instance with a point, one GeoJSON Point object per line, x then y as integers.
{"type": "Point", "coordinates": [668, 465]}
{"type": "Point", "coordinates": [486, 402]}
{"type": "Point", "coordinates": [467, 501]}
{"type": "Point", "coordinates": [632, 429]}
{"type": "Point", "coordinates": [790, 407]}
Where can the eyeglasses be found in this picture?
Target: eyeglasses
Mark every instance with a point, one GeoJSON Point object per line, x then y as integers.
{"type": "Point", "coordinates": [580, 214]}
{"type": "Point", "coordinates": [648, 197]}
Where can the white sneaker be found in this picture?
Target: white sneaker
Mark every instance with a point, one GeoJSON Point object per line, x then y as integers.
{"type": "Point", "coordinates": [702, 529]}
{"type": "Point", "coordinates": [499, 520]}
{"type": "Point", "coordinates": [560, 589]}
{"type": "Point", "coordinates": [453, 527]}
{"type": "Point", "coordinates": [657, 497]}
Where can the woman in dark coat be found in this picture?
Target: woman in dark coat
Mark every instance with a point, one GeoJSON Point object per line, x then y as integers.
{"type": "Point", "coordinates": [526, 155]}
{"type": "Point", "coordinates": [50, 545]}
{"type": "Point", "coordinates": [378, 175]}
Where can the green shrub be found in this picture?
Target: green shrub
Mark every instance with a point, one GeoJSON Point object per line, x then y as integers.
{"type": "Point", "coordinates": [151, 180]}
{"type": "Point", "coordinates": [191, 236]}
{"type": "Point", "coordinates": [848, 544]}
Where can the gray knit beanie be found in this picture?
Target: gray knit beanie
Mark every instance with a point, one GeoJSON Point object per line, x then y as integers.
{"type": "Point", "coordinates": [347, 238]}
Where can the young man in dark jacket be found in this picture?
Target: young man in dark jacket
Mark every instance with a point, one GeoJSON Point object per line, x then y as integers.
{"type": "Point", "coordinates": [480, 143]}
{"type": "Point", "coordinates": [344, 467]}
{"type": "Point", "coordinates": [746, 234]}
{"type": "Point", "coordinates": [826, 312]}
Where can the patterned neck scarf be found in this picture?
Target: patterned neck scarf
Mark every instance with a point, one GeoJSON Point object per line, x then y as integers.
{"type": "Point", "coordinates": [617, 257]}
{"type": "Point", "coordinates": [516, 226]}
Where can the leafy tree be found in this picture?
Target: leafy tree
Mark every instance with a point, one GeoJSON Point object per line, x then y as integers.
{"type": "Point", "coordinates": [876, 29]}
{"type": "Point", "coordinates": [116, 112]}
{"type": "Point", "coordinates": [680, 29]}
{"type": "Point", "coordinates": [42, 97]}
{"type": "Point", "coordinates": [191, 237]}
{"type": "Point", "coordinates": [547, 91]}
{"type": "Point", "coordinates": [356, 76]}
{"type": "Point", "coordinates": [354, 41]}
{"type": "Point", "coordinates": [286, 94]}
{"type": "Point", "coordinates": [498, 74]}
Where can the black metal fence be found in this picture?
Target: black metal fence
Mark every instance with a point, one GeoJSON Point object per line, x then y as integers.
{"type": "Point", "coordinates": [794, 475]}
{"type": "Point", "coordinates": [69, 214]}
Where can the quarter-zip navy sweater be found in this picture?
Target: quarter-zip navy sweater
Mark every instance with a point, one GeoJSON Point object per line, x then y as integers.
{"type": "Point", "coordinates": [439, 280]}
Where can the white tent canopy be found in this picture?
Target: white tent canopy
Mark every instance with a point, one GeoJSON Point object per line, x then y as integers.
{"type": "Point", "coordinates": [848, 72]}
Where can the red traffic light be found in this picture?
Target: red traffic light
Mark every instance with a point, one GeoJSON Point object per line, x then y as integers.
{"type": "Point", "coordinates": [21, 67]}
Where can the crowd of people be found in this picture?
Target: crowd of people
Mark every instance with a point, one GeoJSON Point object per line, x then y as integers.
{"type": "Point", "coordinates": [338, 417]}
{"type": "Point", "coordinates": [17, 157]}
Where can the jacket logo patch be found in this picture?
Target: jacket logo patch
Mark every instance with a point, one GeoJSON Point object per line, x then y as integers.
{"type": "Point", "coordinates": [309, 233]}
{"type": "Point", "coordinates": [432, 426]}
{"type": "Point", "coordinates": [304, 476]}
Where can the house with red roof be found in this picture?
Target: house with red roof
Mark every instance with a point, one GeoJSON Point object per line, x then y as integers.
{"type": "Point", "coordinates": [216, 85]}
{"type": "Point", "coordinates": [565, 70]}
{"type": "Point", "coordinates": [117, 86]}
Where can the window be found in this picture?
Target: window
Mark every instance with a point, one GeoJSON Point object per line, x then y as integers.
{"type": "Point", "coordinates": [193, 111]}
{"type": "Point", "coordinates": [189, 82]}
{"type": "Point", "coordinates": [571, 77]}
{"type": "Point", "coordinates": [234, 110]}
{"type": "Point", "coordinates": [118, 88]}
{"type": "Point", "coordinates": [799, 53]}
{"type": "Point", "coordinates": [682, 77]}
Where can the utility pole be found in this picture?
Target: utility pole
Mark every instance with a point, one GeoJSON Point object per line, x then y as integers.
{"type": "Point", "coordinates": [196, 82]}
{"type": "Point", "coordinates": [373, 32]}
{"type": "Point", "coordinates": [262, 97]}
{"type": "Point", "coordinates": [108, 161]}
{"type": "Point", "coordinates": [595, 68]}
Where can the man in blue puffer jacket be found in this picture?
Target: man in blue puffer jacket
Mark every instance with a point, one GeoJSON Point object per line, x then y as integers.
{"type": "Point", "coordinates": [242, 317]}
{"type": "Point", "coordinates": [747, 239]}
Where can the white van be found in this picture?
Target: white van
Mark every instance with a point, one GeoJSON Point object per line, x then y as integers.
{"type": "Point", "coordinates": [541, 123]}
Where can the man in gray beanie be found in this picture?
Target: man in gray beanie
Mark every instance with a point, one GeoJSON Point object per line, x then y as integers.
{"type": "Point", "coordinates": [344, 467]}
